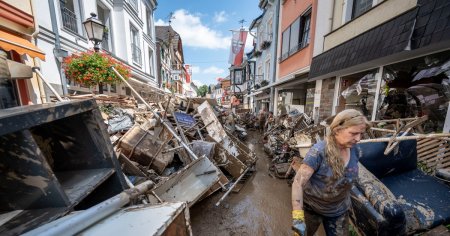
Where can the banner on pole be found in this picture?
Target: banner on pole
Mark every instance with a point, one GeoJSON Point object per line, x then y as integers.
{"type": "Point", "coordinates": [237, 47]}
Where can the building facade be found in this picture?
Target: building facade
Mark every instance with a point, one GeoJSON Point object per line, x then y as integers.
{"type": "Point", "coordinates": [292, 91]}
{"type": "Point", "coordinates": [172, 74]}
{"type": "Point", "coordinates": [263, 59]}
{"type": "Point", "coordinates": [389, 59]}
{"type": "Point", "coordinates": [129, 36]}
{"type": "Point", "coordinates": [18, 53]}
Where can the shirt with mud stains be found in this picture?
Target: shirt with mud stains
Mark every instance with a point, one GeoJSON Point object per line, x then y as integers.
{"type": "Point", "coordinates": [323, 194]}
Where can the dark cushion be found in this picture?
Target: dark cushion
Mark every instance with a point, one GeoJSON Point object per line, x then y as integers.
{"type": "Point", "coordinates": [393, 163]}
{"type": "Point", "coordinates": [425, 195]}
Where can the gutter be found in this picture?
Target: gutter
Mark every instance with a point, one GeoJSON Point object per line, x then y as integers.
{"type": "Point", "coordinates": [37, 62]}
{"type": "Point", "coordinates": [274, 54]}
{"type": "Point", "coordinates": [57, 49]}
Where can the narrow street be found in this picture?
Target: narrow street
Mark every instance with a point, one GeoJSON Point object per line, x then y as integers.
{"type": "Point", "coordinates": [262, 207]}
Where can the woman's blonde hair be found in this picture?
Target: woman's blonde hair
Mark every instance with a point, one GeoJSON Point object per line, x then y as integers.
{"type": "Point", "coordinates": [342, 120]}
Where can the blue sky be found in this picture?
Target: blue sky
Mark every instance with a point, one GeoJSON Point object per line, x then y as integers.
{"type": "Point", "coordinates": [204, 26]}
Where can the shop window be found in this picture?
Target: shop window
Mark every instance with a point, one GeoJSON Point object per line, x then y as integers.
{"type": "Point", "coordinates": [357, 91]}
{"type": "Point", "coordinates": [417, 87]}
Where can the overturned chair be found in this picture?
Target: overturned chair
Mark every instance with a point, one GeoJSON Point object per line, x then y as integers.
{"type": "Point", "coordinates": [394, 197]}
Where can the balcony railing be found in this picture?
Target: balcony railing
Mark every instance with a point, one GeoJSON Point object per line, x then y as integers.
{"type": "Point", "coordinates": [69, 19]}
{"type": "Point", "coordinates": [134, 4]}
{"type": "Point", "coordinates": [136, 54]}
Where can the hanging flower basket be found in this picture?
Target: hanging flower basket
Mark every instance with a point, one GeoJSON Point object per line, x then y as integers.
{"type": "Point", "coordinates": [91, 68]}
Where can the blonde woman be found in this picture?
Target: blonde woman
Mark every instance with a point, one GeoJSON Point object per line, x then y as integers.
{"type": "Point", "coordinates": [321, 188]}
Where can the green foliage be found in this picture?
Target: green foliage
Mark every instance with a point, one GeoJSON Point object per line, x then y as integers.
{"type": "Point", "coordinates": [91, 68]}
{"type": "Point", "coordinates": [202, 90]}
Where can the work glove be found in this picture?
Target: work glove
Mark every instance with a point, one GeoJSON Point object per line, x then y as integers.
{"type": "Point", "coordinates": [298, 222]}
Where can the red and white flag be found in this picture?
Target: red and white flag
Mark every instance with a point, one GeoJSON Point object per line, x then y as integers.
{"type": "Point", "coordinates": [237, 47]}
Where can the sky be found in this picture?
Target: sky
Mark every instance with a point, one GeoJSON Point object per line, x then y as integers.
{"type": "Point", "coordinates": [204, 27]}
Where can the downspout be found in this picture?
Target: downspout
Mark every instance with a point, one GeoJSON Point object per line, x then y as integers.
{"type": "Point", "coordinates": [274, 55]}
{"type": "Point", "coordinates": [37, 62]}
{"type": "Point", "coordinates": [57, 45]}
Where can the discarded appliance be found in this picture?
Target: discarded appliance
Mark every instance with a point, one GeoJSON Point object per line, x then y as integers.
{"type": "Point", "coordinates": [55, 158]}
{"type": "Point", "coordinates": [187, 185]}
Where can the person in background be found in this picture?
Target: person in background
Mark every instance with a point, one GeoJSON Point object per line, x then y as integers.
{"type": "Point", "coordinates": [269, 122]}
{"type": "Point", "coordinates": [262, 119]}
{"type": "Point", "coordinates": [321, 188]}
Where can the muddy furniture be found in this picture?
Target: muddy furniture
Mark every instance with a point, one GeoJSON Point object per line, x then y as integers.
{"type": "Point", "coordinates": [53, 158]}
{"type": "Point", "coordinates": [394, 197]}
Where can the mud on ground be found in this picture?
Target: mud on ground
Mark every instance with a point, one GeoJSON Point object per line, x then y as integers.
{"type": "Point", "coordinates": [262, 207]}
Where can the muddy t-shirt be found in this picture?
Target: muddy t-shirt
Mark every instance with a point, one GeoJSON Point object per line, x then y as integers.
{"type": "Point", "coordinates": [323, 194]}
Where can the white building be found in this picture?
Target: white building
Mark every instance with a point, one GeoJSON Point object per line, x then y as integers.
{"type": "Point", "coordinates": [129, 37]}
{"type": "Point", "coordinates": [264, 54]}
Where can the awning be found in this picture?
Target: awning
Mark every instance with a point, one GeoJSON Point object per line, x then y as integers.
{"type": "Point", "coordinates": [10, 42]}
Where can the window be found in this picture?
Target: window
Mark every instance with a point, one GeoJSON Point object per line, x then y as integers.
{"type": "Point", "coordinates": [295, 31]}
{"type": "Point", "coordinates": [135, 50]}
{"type": "Point", "coordinates": [113, 88]}
{"type": "Point", "coordinates": [104, 15]}
{"type": "Point", "coordinates": [306, 21]}
{"type": "Point", "coordinates": [285, 44]}
{"type": "Point", "coordinates": [267, 70]}
{"type": "Point", "coordinates": [360, 6]}
{"type": "Point", "coordinates": [150, 60]}
{"type": "Point", "coordinates": [149, 16]}
{"type": "Point", "coordinates": [71, 16]}
{"type": "Point", "coordinates": [269, 29]}
{"type": "Point", "coordinates": [296, 36]}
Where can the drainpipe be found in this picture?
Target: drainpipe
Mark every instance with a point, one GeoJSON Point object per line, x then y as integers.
{"type": "Point", "coordinates": [36, 62]}
{"type": "Point", "coordinates": [274, 55]}
{"type": "Point", "coordinates": [57, 48]}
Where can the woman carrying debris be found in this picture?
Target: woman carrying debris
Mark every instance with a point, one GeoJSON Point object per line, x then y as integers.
{"type": "Point", "coordinates": [321, 188]}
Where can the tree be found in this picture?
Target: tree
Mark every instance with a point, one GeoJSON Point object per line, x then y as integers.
{"type": "Point", "coordinates": [202, 90]}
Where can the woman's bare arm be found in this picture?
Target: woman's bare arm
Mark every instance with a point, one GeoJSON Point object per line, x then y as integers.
{"type": "Point", "coordinates": [300, 180]}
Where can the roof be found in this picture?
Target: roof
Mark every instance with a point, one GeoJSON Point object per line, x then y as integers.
{"type": "Point", "coordinates": [166, 33]}
{"type": "Point", "coordinates": [256, 21]}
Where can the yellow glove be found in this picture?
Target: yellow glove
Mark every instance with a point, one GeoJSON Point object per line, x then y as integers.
{"type": "Point", "coordinates": [298, 215]}
{"type": "Point", "coordinates": [298, 222]}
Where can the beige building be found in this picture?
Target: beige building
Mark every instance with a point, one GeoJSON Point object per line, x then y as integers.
{"type": "Point", "coordinates": [18, 53]}
{"type": "Point", "coordinates": [388, 59]}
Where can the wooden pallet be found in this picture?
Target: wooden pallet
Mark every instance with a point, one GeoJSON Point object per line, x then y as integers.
{"type": "Point", "coordinates": [433, 154]}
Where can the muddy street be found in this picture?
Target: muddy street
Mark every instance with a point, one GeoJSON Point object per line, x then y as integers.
{"type": "Point", "coordinates": [262, 207]}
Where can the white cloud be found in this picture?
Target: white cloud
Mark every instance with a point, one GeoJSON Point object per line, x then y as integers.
{"type": "Point", "coordinates": [160, 22]}
{"type": "Point", "coordinates": [194, 33]}
{"type": "Point", "coordinates": [213, 70]}
{"type": "Point", "coordinates": [220, 17]}
{"type": "Point", "coordinates": [198, 82]}
{"type": "Point", "coordinates": [195, 70]}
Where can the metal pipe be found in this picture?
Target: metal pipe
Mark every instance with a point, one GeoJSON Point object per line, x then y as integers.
{"type": "Point", "coordinates": [36, 70]}
{"type": "Point", "coordinates": [419, 136]}
{"type": "Point", "coordinates": [74, 224]}
{"type": "Point", "coordinates": [232, 186]}
{"type": "Point", "coordinates": [168, 126]}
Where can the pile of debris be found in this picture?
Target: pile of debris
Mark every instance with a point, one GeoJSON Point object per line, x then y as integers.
{"type": "Point", "coordinates": [159, 157]}
{"type": "Point", "coordinates": [288, 141]}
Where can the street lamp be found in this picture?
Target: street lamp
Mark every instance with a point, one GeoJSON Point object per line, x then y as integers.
{"type": "Point", "coordinates": [94, 29]}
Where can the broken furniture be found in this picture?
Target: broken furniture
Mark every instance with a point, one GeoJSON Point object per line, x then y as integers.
{"type": "Point", "coordinates": [394, 197]}
{"type": "Point", "coordinates": [55, 158]}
